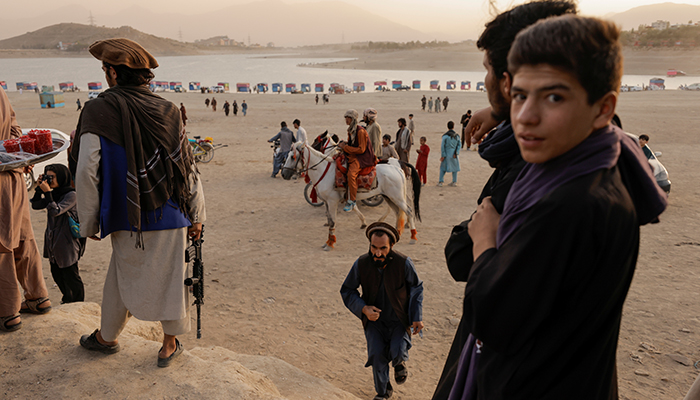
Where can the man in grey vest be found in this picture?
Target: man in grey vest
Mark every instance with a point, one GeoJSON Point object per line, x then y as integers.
{"type": "Point", "coordinates": [390, 307]}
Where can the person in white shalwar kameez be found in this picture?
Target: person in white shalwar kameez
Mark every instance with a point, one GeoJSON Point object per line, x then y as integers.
{"type": "Point", "coordinates": [136, 182]}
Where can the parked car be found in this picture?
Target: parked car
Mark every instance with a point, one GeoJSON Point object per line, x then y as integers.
{"type": "Point", "coordinates": [694, 86]}
{"type": "Point", "coordinates": [660, 172]}
{"type": "Point", "coordinates": [61, 158]}
{"type": "Point", "coordinates": [93, 95]}
{"type": "Point", "coordinates": [403, 87]}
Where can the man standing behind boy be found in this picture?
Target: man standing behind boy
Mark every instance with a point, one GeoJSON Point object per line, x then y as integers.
{"type": "Point", "coordinates": [551, 273]}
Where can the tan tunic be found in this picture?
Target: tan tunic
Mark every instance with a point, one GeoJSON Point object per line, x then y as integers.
{"type": "Point", "coordinates": [375, 136]}
{"type": "Point", "coordinates": [150, 281]}
{"type": "Point", "coordinates": [15, 223]}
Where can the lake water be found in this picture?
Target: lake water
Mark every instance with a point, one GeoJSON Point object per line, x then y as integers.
{"type": "Point", "coordinates": [233, 68]}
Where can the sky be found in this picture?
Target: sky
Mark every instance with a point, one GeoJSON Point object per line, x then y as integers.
{"type": "Point", "coordinates": [446, 19]}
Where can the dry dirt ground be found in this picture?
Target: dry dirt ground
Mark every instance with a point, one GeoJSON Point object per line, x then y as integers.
{"type": "Point", "coordinates": [271, 290]}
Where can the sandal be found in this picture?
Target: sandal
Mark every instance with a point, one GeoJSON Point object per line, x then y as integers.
{"type": "Point", "coordinates": [400, 374]}
{"type": "Point", "coordinates": [9, 328]}
{"type": "Point", "coordinates": [32, 306]}
{"type": "Point", "coordinates": [164, 362]}
{"type": "Point", "coordinates": [90, 342]}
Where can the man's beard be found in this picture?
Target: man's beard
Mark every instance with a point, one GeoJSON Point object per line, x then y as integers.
{"type": "Point", "coordinates": [381, 262]}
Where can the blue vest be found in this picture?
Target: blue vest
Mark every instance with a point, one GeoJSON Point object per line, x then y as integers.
{"type": "Point", "coordinates": [113, 214]}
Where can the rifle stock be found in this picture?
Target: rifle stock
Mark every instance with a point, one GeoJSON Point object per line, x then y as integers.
{"type": "Point", "coordinates": [193, 254]}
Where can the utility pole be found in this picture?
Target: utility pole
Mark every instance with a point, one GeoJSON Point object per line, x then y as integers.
{"type": "Point", "coordinates": [179, 33]}
{"type": "Point", "coordinates": [249, 39]}
{"type": "Point", "coordinates": [91, 19]}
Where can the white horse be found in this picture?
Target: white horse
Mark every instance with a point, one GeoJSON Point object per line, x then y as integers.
{"type": "Point", "coordinates": [391, 184]}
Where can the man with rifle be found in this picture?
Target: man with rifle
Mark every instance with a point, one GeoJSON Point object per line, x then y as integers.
{"type": "Point", "coordinates": [136, 182]}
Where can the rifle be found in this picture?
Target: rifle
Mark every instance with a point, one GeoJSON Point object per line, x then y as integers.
{"type": "Point", "coordinates": [193, 254]}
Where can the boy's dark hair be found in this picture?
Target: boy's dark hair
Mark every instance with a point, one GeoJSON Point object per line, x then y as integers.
{"type": "Point", "coordinates": [283, 124]}
{"type": "Point", "coordinates": [424, 138]}
{"type": "Point", "coordinates": [131, 77]}
{"type": "Point", "coordinates": [297, 122]}
{"type": "Point", "coordinates": [644, 137]}
{"type": "Point", "coordinates": [500, 33]}
{"type": "Point", "coordinates": [450, 125]}
{"type": "Point", "coordinates": [410, 115]}
{"type": "Point", "coordinates": [402, 121]}
{"type": "Point", "coordinates": [387, 137]}
{"type": "Point", "coordinates": [589, 48]}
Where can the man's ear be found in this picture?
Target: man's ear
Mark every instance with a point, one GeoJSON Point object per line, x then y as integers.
{"type": "Point", "coordinates": [606, 110]}
{"type": "Point", "coordinates": [505, 84]}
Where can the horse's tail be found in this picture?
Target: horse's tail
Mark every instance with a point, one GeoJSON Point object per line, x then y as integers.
{"type": "Point", "coordinates": [415, 180]}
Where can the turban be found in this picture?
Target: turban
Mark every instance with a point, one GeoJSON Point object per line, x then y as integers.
{"type": "Point", "coordinates": [370, 113]}
{"type": "Point", "coordinates": [123, 52]}
{"type": "Point", "coordinates": [384, 227]}
{"type": "Point", "coordinates": [352, 114]}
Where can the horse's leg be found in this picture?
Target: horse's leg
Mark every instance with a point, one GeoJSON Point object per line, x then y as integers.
{"type": "Point", "coordinates": [332, 216]}
{"type": "Point", "coordinates": [361, 216]}
{"type": "Point", "coordinates": [400, 214]}
{"type": "Point", "coordinates": [328, 215]}
{"type": "Point", "coordinates": [386, 214]}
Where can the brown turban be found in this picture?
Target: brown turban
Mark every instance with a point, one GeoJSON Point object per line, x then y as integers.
{"type": "Point", "coordinates": [384, 227]}
{"type": "Point", "coordinates": [123, 52]}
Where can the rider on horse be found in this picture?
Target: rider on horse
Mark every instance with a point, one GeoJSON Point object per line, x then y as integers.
{"type": "Point", "coordinates": [359, 153]}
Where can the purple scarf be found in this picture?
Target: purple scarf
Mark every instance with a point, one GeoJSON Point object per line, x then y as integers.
{"type": "Point", "coordinates": [464, 387]}
{"type": "Point", "coordinates": [604, 148]}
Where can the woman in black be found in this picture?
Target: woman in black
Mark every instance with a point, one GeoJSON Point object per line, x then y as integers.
{"type": "Point", "coordinates": [55, 194]}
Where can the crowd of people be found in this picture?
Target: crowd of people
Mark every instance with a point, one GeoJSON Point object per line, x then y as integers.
{"type": "Point", "coordinates": [540, 318]}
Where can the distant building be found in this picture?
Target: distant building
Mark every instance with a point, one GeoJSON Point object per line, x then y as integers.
{"type": "Point", "coordinates": [270, 44]}
{"type": "Point", "coordinates": [660, 25]}
{"type": "Point", "coordinates": [219, 41]}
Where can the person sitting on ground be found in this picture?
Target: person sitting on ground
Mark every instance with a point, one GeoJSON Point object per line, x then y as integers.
{"type": "Point", "coordinates": [359, 154]}
{"type": "Point", "coordinates": [388, 151]}
{"type": "Point", "coordinates": [643, 140]}
{"type": "Point", "coordinates": [55, 194]}
{"type": "Point", "coordinates": [390, 307]}
{"type": "Point", "coordinates": [551, 272]}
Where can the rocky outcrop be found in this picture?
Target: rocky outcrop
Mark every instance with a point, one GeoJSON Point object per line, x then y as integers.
{"type": "Point", "coordinates": [45, 360]}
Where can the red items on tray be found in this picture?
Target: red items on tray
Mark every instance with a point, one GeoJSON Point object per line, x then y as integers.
{"type": "Point", "coordinates": [11, 145]}
{"type": "Point", "coordinates": [28, 144]}
{"type": "Point", "coordinates": [43, 144]}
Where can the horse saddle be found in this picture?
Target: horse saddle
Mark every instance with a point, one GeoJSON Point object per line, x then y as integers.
{"type": "Point", "coordinates": [366, 179]}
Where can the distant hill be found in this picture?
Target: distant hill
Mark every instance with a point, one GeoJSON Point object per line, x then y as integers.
{"type": "Point", "coordinates": [644, 15]}
{"type": "Point", "coordinates": [263, 21]}
{"type": "Point", "coordinates": [79, 37]}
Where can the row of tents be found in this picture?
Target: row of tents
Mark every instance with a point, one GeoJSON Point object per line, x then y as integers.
{"type": "Point", "coordinates": [654, 84]}
{"type": "Point", "coordinates": [318, 87]}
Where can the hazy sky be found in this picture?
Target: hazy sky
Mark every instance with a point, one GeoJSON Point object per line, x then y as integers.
{"type": "Point", "coordinates": [399, 10]}
{"type": "Point", "coordinates": [441, 19]}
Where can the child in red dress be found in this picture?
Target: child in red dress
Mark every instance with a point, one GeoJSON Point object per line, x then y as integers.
{"type": "Point", "coordinates": [422, 163]}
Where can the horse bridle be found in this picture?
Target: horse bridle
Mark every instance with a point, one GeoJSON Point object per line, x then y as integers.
{"type": "Point", "coordinates": [301, 158]}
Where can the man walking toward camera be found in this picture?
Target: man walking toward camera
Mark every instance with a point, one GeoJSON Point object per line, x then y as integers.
{"type": "Point", "coordinates": [136, 182]}
{"type": "Point", "coordinates": [390, 307]}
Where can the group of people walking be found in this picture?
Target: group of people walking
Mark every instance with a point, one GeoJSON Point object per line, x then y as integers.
{"type": "Point", "coordinates": [227, 107]}
{"type": "Point", "coordinates": [437, 104]}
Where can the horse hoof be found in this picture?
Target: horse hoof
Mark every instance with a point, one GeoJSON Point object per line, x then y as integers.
{"type": "Point", "coordinates": [327, 247]}
{"type": "Point", "coordinates": [363, 226]}
{"type": "Point", "coordinates": [413, 241]}
{"type": "Point", "coordinates": [326, 224]}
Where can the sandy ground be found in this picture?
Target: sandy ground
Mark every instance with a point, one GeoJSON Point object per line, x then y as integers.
{"type": "Point", "coordinates": [272, 291]}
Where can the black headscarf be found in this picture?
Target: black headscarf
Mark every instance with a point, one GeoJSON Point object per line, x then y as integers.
{"type": "Point", "coordinates": [63, 178]}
